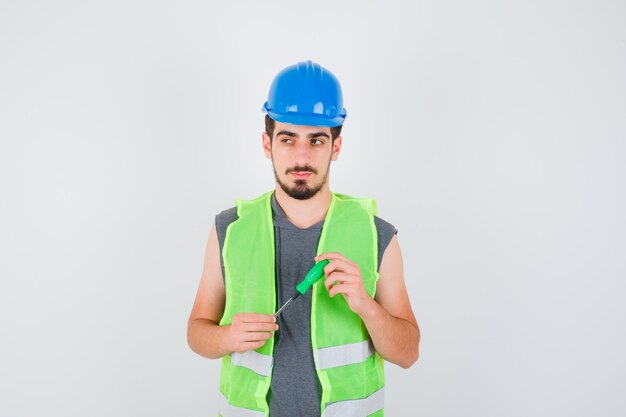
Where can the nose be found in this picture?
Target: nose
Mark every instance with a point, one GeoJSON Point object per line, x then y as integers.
{"type": "Point", "coordinates": [302, 154]}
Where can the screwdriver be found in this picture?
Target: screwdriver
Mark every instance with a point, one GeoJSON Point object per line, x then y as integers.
{"type": "Point", "coordinates": [311, 278]}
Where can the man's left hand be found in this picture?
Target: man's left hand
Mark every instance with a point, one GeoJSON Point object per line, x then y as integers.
{"type": "Point", "coordinates": [344, 277]}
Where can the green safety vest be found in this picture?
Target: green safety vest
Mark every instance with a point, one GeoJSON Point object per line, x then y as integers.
{"type": "Point", "coordinates": [350, 371]}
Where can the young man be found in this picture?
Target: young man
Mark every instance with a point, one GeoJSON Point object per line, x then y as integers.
{"type": "Point", "coordinates": [322, 355]}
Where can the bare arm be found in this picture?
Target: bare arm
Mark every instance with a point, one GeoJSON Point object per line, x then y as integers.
{"type": "Point", "coordinates": [204, 334]}
{"type": "Point", "coordinates": [388, 317]}
{"type": "Point", "coordinates": [390, 320]}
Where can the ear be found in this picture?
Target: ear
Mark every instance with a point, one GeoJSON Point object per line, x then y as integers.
{"type": "Point", "coordinates": [267, 145]}
{"type": "Point", "coordinates": [336, 148]}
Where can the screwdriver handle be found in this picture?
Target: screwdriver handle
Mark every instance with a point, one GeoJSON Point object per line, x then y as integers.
{"type": "Point", "coordinates": [312, 276]}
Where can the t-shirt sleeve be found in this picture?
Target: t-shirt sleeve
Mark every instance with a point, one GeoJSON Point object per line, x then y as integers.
{"type": "Point", "coordinates": [222, 220]}
{"type": "Point", "coordinates": [385, 231]}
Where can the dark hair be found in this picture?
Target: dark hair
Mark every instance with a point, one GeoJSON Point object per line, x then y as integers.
{"type": "Point", "coordinates": [269, 129]}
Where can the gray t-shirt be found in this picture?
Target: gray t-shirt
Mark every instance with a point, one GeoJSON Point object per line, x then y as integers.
{"type": "Point", "coordinates": [295, 389]}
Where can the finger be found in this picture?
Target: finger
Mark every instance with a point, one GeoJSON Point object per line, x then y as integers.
{"type": "Point", "coordinates": [341, 266]}
{"type": "Point", "coordinates": [256, 336]}
{"type": "Point", "coordinates": [340, 289]}
{"type": "Point", "coordinates": [258, 327]}
{"type": "Point", "coordinates": [246, 346]}
{"type": "Point", "coordinates": [337, 278]}
{"type": "Point", "coordinates": [329, 256]}
{"type": "Point", "coordinates": [337, 257]}
{"type": "Point", "coordinates": [255, 318]}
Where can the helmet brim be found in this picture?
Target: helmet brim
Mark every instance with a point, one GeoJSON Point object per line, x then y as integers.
{"type": "Point", "coordinates": [307, 119]}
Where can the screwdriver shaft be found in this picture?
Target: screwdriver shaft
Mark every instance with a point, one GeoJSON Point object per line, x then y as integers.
{"type": "Point", "coordinates": [284, 305]}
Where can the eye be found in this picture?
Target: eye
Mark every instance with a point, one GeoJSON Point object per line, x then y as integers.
{"type": "Point", "coordinates": [319, 142]}
{"type": "Point", "coordinates": [285, 140]}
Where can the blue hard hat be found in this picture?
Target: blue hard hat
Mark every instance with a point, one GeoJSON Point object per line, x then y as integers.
{"type": "Point", "coordinates": [306, 94]}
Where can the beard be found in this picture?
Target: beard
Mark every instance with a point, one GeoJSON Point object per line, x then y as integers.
{"type": "Point", "coordinates": [301, 189]}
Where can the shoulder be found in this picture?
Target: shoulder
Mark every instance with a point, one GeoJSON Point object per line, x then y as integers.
{"type": "Point", "coordinates": [384, 226]}
{"type": "Point", "coordinates": [227, 216]}
{"type": "Point", "coordinates": [385, 229]}
{"type": "Point", "coordinates": [222, 220]}
{"type": "Point", "coordinates": [385, 232]}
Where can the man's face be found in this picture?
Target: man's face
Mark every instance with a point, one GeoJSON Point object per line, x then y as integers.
{"type": "Point", "coordinates": [301, 157]}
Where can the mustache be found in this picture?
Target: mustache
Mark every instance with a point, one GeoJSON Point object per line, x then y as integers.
{"type": "Point", "coordinates": [306, 168]}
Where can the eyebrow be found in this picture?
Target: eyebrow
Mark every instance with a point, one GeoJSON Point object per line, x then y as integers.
{"type": "Point", "coordinates": [310, 135]}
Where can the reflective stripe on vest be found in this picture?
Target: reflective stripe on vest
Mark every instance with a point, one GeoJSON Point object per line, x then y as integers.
{"type": "Point", "coordinates": [253, 360]}
{"type": "Point", "coordinates": [356, 408]}
{"type": "Point", "coordinates": [228, 410]}
{"type": "Point", "coordinates": [331, 357]}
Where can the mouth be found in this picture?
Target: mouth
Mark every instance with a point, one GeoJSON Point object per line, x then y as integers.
{"type": "Point", "coordinates": [302, 174]}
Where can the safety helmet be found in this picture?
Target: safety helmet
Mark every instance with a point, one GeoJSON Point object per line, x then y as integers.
{"type": "Point", "coordinates": [306, 94]}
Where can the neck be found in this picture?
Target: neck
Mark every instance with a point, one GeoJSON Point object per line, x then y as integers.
{"type": "Point", "coordinates": [304, 213]}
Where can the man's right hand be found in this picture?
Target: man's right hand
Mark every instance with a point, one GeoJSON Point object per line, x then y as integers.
{"type": "Point", "coordinates": [205, 336]}
{"type": "Point", "coordinates": [250, 331]}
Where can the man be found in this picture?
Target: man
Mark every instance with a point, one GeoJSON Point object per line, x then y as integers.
{"type": "Point", "coordinates": [323, 355]}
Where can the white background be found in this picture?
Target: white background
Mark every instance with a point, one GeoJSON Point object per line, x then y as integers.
{"type": "Point", "coordinates": [491, 133]}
